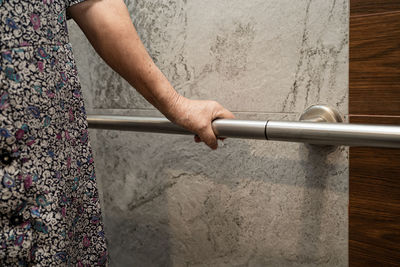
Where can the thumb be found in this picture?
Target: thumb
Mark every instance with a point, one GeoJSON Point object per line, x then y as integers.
{"type": "Point", "coordinates": [223, 113]}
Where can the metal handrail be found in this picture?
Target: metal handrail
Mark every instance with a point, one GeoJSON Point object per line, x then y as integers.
{"type": "Point", "coordinates": [322, 133]}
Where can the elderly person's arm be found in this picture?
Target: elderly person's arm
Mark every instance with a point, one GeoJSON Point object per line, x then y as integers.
{"type": "Point", "coordinates": [107, 25]}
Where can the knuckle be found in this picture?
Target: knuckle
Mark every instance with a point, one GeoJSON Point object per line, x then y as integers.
{"type": "Point", "coordinates": [216, 104]}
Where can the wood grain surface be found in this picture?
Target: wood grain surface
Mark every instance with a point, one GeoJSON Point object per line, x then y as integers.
{"type": "Point", "coordinates": [374, 98]}
{"type": "Point", "coordinates": [374, 72]}
{"type": "Point", "coordinates": [365, 7]}
{"type": "Point", "coordinates": [374, 202]}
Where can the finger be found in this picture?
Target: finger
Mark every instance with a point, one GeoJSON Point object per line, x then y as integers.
{"type": "Point", "coordinates": [209, 138]}
{"type": "Point", "coordinates": [197, 139]}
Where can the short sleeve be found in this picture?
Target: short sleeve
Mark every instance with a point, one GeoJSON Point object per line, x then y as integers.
{"type": "Point", "coordinates": [72, 2]}
{"type": "Point", "coordinates": [69, 3]}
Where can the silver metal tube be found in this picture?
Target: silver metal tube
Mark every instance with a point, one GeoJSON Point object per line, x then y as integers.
{"type": "Point", "coordinates": [239, 128]}
{"type": "Point", "coordinates": [321, 133]}
{"type": "Point", "coordinates": [335, 133]}
{"type": "Point", "coordinates": [222, 128]}
{"type": "Point", "coordinates": [136, 124]}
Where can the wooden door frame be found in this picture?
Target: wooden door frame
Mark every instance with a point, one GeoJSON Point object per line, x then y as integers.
{"type": "Point", "coordinates": [374, 97]}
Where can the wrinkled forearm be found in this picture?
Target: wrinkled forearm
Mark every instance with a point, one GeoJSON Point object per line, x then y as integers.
{"type": "Point", "coordinates": [108, 27]}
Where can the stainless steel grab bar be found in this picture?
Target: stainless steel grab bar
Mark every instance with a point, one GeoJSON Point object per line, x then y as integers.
{"type": "Point", "coordinates": [307, 131]}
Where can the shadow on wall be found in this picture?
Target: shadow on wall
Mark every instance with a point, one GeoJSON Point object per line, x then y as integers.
{"type": "Point", "coordinates": [313, 204]}
{"type": "Point", "coordinates": [248, 203]}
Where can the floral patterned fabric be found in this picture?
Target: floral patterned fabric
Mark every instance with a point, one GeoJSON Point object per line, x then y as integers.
{"type": "Point", "coordinates": [49, 206]}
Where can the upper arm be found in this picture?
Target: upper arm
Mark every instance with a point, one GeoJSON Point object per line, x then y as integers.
{"type": "Point", "coordinates": [99, 18]}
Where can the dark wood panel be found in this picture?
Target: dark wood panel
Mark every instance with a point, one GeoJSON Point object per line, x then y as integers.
{"type": "Point", "coordinates": [374, 74]}
{"type": "Point", "coordinates": [374, 204]}
{"type": "Point", "coordinates": [365, 7]}
{"type": "Point", "coordinates": [369, 119]}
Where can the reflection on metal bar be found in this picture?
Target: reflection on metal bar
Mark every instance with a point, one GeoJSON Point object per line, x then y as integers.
{"type": "Point", "coordinates": [222, 128]}
{"type": "Point", "coordinates": [322, 133]}
{"type": "Point", "coordinates": [346, 134]}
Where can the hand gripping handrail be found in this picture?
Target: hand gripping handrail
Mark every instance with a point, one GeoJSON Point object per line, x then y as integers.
{"type": "Point", "coordinates": [314, 128]}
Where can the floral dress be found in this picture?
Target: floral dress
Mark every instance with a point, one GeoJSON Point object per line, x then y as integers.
{"type": "Point", "coordinates": [49, 205]}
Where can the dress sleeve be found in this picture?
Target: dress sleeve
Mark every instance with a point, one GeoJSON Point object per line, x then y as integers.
{"type": "Point", "coordinates": [72, 2]}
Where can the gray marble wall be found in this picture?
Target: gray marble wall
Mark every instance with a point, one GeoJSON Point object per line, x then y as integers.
{"type": "Point", "coordinates": [168, 201]}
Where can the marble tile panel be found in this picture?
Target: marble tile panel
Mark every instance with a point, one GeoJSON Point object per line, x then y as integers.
{"type": "Point", "coordinates": [170, 202]}
{"type": "Point", "coordinates": [259, 56]}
